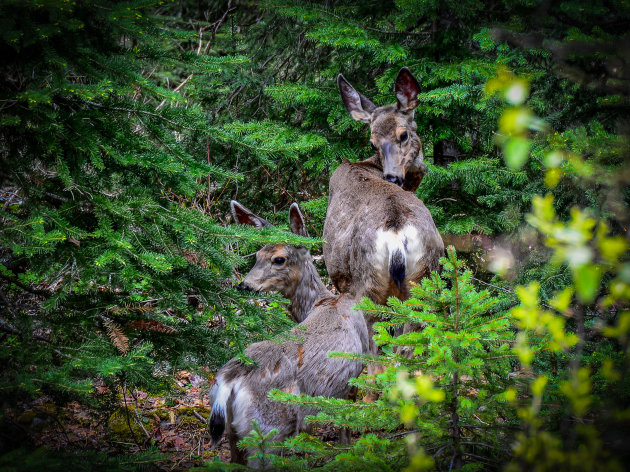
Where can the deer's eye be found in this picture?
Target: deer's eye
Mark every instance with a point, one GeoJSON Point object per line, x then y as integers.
{"type": "Point", "coordinates": [278, 260]}
{"type": "Point", "coordinates": [403, 137]}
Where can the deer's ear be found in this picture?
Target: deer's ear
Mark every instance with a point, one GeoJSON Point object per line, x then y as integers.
{"type": "Point", "coordinates": [245, 217]}
{"type": "Point", "coordinates": [358, 105]}
{"type": "Point", "coordinates": [407, 89]}
{"type": "Point", "coordinates": [296, 221]}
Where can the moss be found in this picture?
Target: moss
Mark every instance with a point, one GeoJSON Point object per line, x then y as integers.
{"type": "Point", "coordinates": [190, 420]}
{"type": "Point", "coordinates": [205, 413]}
{"type": "Point", "coordinates": [162, 414]}
{"type": "Point", "coordinates": [49, 408]}
{"type": "Point", "coordinates": [118, 424]}
{"type": "Point", "coordinates": [27, 417]}
{"type": "Point", "coordinates": [189, 410]}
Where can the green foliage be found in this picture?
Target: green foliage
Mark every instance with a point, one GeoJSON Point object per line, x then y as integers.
{"type": "Point", "coordinates": [127, 127]}
{"type": "Point", "coordinates": [116, 274]}
{"type": "Point", "coordinates": [590, 338]}
{"type": "Point", "coordinates": [44, 459]}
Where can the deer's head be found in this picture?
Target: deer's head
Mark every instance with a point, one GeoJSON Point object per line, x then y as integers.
{"type": "Point", "coordinates": [392, 127]}
{"type": "Point", "coordinates": [278, 267]}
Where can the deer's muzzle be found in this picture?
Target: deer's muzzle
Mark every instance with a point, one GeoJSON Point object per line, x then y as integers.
{"type": "Point", "coordinates": [394, 179]}
{"type": "Point", "coordinates": [243, 287]}
{"type": "Point", "coordinates": [392, 167]}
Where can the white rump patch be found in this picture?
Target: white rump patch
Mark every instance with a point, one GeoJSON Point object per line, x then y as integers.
{"type": "Point", "coordinates": [221, 397]}
{"type": "Point", "coordinates": [240, 408]}
{"type": "Point", "coordinates": [409, 243]}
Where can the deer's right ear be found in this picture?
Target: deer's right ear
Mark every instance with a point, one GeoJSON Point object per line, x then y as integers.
{"type": "Point", "coordinates": [407, 89]}
{"type": "Point", "coordinates": [245, 217]}
{"type": "Point", "coordinates": [358, 105]}
{"type": "Point", "coordinates": [296, 221]}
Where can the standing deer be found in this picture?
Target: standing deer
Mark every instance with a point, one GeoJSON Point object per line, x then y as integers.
{"type": "Point", "coordinates": [379, 235]}
{"type": "Point", "coordinates": [329, 324]}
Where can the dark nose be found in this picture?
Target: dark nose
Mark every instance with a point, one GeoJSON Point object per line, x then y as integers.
{"type": "Point", "coordinates": [394, 179]}
{"type": "Point", "coordinates": [243, 287]}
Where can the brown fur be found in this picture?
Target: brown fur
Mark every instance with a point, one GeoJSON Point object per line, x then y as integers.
{"type": "Point", "coordinates": [398, 149]}
{"type": "Point", "coordinates": [360, 204]}
{"type": "Point", "coordinates": [370, 220]}
{"type": "Point", "coordinates": [294, 279]}
{"type": "Point", "coordinates": [300, 353]}
{"type": "Point", "coordinates": [302, 366]}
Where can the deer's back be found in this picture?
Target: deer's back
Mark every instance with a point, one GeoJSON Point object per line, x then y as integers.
{"type": "Point", "coordinates": [275, 368]}
{"type": "Point", "coordinates": [364, 213]}
{"type": "Point", "coordinates": [332, 327]}
{"type": "Point", "coordinates": [299, 365]}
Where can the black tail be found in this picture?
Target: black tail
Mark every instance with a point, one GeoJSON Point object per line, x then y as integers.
{"type": "Point", "coordinates": [397, 268]}
{"type": "Point", "coordinates": [217, 424]}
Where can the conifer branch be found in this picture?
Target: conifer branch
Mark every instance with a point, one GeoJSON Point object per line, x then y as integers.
{"type": "Point", "coordinates": [23, 286]}
{"type": "Point", "coordinates": [144, 112]}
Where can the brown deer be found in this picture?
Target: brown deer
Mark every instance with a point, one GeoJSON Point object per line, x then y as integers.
{"type": "Point", "coordinates": [379, 235]}
{"type": "Point", "coordinates": [296, 366]}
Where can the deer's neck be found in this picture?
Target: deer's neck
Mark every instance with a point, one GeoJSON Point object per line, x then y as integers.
{"type": "Point", "coordinates": [374, 161]}
{"type": "Point", "coordinates": [309, 291]}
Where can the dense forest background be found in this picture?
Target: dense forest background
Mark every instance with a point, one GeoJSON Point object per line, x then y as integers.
{"type": "Point", "coordinates": [126, 128]}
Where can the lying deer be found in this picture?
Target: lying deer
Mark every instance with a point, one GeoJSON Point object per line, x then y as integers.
{"type": "Point", "coordinates": [379, 235]}
{"type": "Point", "coordinates": [329, 324]}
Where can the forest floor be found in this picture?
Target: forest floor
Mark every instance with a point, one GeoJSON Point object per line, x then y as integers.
{"type": "Point", "coordinates": [175, 425]}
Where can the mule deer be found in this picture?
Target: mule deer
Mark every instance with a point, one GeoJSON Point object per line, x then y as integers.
{"type": "Point", "coordinates": [298, 281]}
{"type": "Point", "coordinates": [301, 366]}
{"type": "Point", "coordinates": [379, 236]}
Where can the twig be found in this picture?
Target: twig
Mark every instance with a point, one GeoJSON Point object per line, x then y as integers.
{"type": "Point", "coordinates": [10, 199]}
{"type": "Point", "coordinates": [56, 197]}
{"type": "Point", "coordinates": [8, 304]}
{"type": "Point", "coordinates": [54, 417]}
{"type": "Point", "coordinates": [133, 435]}
{"type": "Point", "coordinates": [440, 450]}
{"type": "Point", "coordinates": [23, 286]}
{"type": "Point", "coordinates": [145, 112]}
{"type": "Point", "coordinates": [218, 25]}
{"type": "Point", "coordinates": [486, 459]}
{"type": "Point", "coordinates": [403, 433]}
{"type": "Point", "coordinates": [511, 292]}
{"type": "Point", "coordinates": [139, 421]}
{"type": "Point", "coordinates": [474, 443]}
{"type": "Point", "coordinates": [176, 89]}
{"type": "Point", "coordinates": [199, 417]}
{"type": "Point", "coordinates": [208, 198]}
{"type": "Point", "coordinates": [9, 328]}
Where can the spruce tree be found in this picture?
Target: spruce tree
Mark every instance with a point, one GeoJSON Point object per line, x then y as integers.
{"type": "Point", "coordinates": [110, 271]}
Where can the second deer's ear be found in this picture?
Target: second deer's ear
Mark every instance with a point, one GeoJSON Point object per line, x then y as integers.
{"type": "Point", "coordinates": [296, 221]}
{"type": "Point", "coordinates": [407, 89]}
{"type": "Point", "coordinates": [359, 106]}
{"type": "Point", "coordinates": [244, 216]}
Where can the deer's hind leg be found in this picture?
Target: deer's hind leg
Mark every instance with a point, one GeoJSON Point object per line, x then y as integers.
{"type": "Point", "coordinates": [237, 455]}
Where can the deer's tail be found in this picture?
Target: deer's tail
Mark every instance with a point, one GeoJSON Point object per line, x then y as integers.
{"type": "Point", "coordinates": [217, 417]}
{"type": "Point", "coordinates": [397, 267]}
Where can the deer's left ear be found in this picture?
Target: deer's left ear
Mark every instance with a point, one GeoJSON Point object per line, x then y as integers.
{"type": "Point", "coordinates": [407, 89]}
{"type": "Point", "coordinates": [358, 105]}
{"type": "Point", "coordinates": [244, 216]}
{"type": "Point", "coordinates": [296, 221]}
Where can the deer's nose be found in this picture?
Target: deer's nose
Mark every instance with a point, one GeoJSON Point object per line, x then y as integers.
{"type": "Point", "coordinates": [394, 179]}
{"type": "Point", "coordinates": [243, 287]}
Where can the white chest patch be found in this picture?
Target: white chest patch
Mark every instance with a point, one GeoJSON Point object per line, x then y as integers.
{"type": "Point", "coordinates": [407, 240]}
